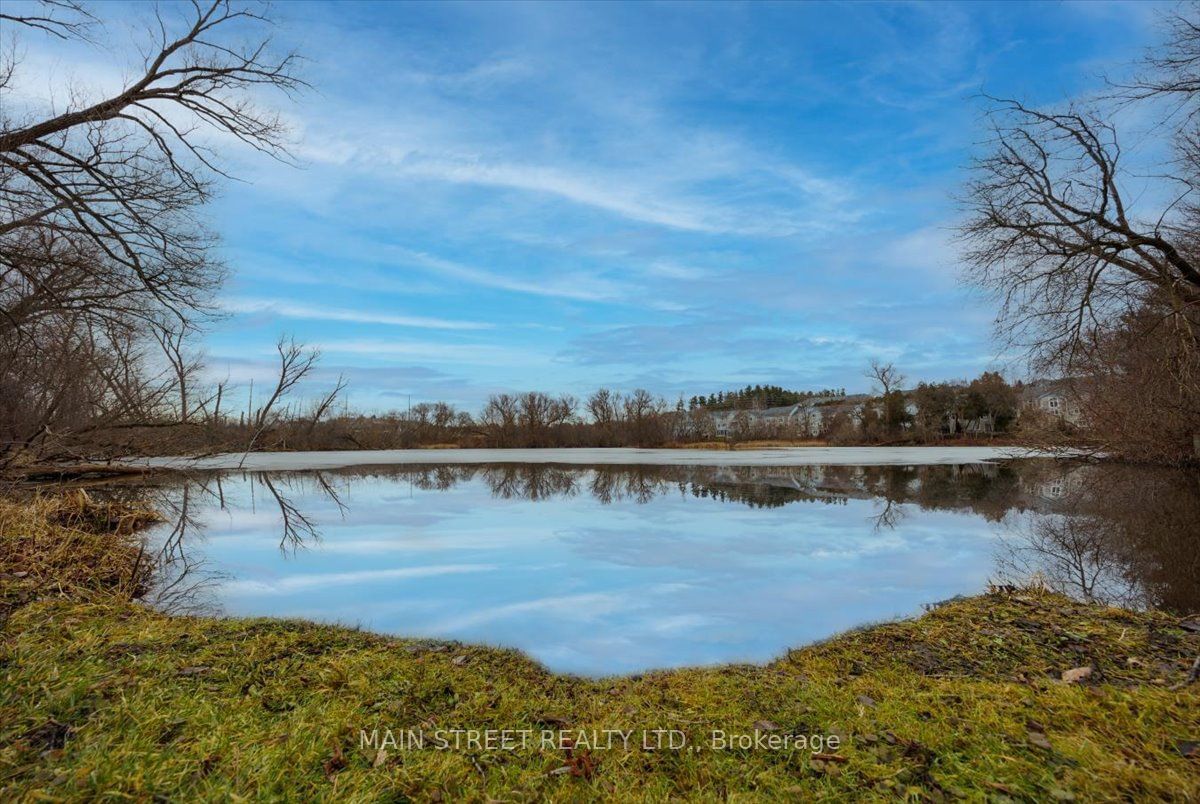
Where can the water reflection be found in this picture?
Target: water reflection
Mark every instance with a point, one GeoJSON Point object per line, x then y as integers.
{"type": "Point", "coordinates": [618, 569]}
{"type": "Point", "coordinates": [1112, 534]}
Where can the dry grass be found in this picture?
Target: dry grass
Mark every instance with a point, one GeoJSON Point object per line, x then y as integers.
{"type": "Point", "coordinates": [71, 545]}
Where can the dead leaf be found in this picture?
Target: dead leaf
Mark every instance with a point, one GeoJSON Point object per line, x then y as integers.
{"type": "Point", "coordinates": [335, 763]}
{"type": "Point", "coordinates": [1076, 674]}
{"type": "Point", "coordinates": [1188, 748]}
{"type": "Point", "coordinates": [208, 763]}
{"type": "Point", "coordinates": [459, 661]}
{"type": "Point", "coordinates": [583, 764]}
{"type": "Point", "coordinates": [866, 700]}
{"type": "Point", "coordinates": [830, 758]}
{"type": "Point", "coordinates": [765, 725]}
{"type": "Point", "coordinates": [380, 757]}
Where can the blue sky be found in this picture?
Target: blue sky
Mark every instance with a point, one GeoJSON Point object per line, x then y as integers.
{"type": "Point", "coordinates": [682, 197]}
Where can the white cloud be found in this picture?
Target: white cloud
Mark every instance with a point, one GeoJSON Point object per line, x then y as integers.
{"type": "Point", "coordinates": [317, 312]}
{"type": "Point", "coordinates": [582, 287]}
{"type": "Point", "coordinates": [572, 606]}
{"type": "Point", "coordinates": [300, 583]}
{"type": "Point", "coordinates": [431, 352]}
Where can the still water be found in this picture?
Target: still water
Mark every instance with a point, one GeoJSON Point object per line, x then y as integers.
{"type": "Point", "coordinates": [609, 569]}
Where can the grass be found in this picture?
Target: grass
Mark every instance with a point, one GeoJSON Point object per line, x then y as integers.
{"type": "Point", "coordinates": [102, 698]}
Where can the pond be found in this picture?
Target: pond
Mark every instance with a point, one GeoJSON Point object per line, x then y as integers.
{"type": "Point", "coordinates": [612, 569]}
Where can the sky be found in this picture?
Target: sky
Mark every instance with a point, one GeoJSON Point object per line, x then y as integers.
{"type": "Point", "coordinates": [682, 197]}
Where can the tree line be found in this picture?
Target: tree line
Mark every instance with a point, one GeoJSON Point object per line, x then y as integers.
{"type": "Point", "coordinates": [758, 396]}
{"type": "Point", "coordinates": [985, 407]}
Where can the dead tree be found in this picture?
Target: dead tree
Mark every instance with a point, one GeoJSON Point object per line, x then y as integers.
{"type": "Point", "coordinates": [295, 363]}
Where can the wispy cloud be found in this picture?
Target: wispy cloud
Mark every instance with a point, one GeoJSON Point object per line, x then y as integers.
{"type": "Point", "coordinates": [312, 581]}
{"type": "Point", "coordinates": [609, 193]}
{"type": "Point", "coordinates": [431, 352]}
{"type": "Point", "coordinates": [322, 313]}
{"type": "Point", "coordinates": [593, 604]}
{"type": "Point", "coordinates": [582, 287]}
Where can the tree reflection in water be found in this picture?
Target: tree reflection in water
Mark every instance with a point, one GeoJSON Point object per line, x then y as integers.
{"type": "Point", "coordinates": [1114, 534]}
{"type": "Point", "coordinates": [1122, 535]}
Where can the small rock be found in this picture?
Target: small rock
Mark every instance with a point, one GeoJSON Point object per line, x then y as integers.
{"type": "Point", "coordinates": [1076, 674]}
{"type": "Point", "coordinates": [866, 700]}
{"type": "Point", "coordinates": [1188, 748]}
{"type": "Point", "coordinates": [765, 725]}
{"type": "Point", "coordinates": [458, 661]}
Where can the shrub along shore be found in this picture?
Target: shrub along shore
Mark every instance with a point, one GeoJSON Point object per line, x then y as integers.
{"type": "Point", "coordinates": [1012, 695]}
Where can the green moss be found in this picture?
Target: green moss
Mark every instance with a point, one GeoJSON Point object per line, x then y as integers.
{"type": "Point", "coordinates": [105, 699]}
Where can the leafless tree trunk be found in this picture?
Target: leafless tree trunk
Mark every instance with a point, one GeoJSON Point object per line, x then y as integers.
{"type": "Point", "coordinates": [295, 363]}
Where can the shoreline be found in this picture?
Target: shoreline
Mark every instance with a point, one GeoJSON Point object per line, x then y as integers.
{"type": "Point", "coordinates": [583, 456]}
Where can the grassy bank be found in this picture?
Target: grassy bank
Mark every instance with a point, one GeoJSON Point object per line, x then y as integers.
{"type": "Point", "coordinates": [101, 698]}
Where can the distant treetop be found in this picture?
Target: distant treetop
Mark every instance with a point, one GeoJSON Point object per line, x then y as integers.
{"type": "Point", "coordinates": [758, 396]}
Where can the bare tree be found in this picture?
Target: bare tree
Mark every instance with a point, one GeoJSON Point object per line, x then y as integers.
{"type": "Point", "coordinates": [885, 376]}
{"type": "Point", "coordinates": [323, 405]}
{"type": "Point", "coordinates": [103, 246]}
{"type": "Point", "coordinates": [295, 363]}
{"type": "Point", "coordinates": [643, 418]}
{"type": "Point", "coordinates": [1171, 70]}
{"type": "Point", "coordinates": [64, 19]}
{"type": "Point", "coordinates": [1052, 236]}
{"type": "Point", "coordinates": [121, 178]}
{"type": "Point", "coordinates": [499, 419]}
{"type": "Point", "coordinates": [1073, 256]}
